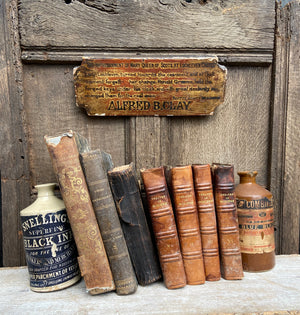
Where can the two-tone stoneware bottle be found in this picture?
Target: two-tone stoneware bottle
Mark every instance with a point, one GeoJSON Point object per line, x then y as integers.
{"type": "Point", "coordinates": [256, 224]}
{"type": "Point", "coordinates": [50, 248]}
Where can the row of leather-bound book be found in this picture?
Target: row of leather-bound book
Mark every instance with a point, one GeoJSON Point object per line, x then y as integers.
{"type": "Point", "coordinates": [178, 224]}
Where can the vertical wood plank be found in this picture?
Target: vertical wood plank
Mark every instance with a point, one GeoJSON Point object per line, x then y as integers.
{"type": "Point", "coordinates": [152, 142]}
{"type": "Point", "coordinates": [130, 140]}
{"type": "Point", "coordinates": [285, 168]}
{"type": "Point", "coordinates": [13, 158]}
{"type": "Point", "coordinates": [49, 102]}
{"type": "Point", "coordinates": [237, 133]}
{"type": "Point", "coordinates": [279, 96]}
{"type": "Point", "coordinates": [148, 142]}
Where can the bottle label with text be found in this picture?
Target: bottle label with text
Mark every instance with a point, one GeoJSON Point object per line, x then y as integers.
{"type": "Point", "coordinates": [50, 249]}
{"type": "Point", "coordinates": [256, 225]}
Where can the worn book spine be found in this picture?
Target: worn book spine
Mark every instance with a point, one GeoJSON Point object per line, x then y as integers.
{"type": "Point", "coordinates": [188, 223]}
{"type": "Point", "coordinates": [93, 263]}
{"type": "Point", "coordinates": [164, 227]}
{"type": "Point", "coordinates": [125, 188]}
{"type": "Point", "coordinates": [94, 166]}
{"type": "Point", "coordinates": [207, 219]}
{"type": "Point", "coordinates": [225, 200]}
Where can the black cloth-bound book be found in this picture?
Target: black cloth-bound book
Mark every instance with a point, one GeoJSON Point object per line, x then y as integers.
{"type": "Point", "coordinates": [125, 188]}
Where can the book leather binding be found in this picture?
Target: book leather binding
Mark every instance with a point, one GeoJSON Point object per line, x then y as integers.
{"type": "Point", "coordinates": [94, 164]}
{"type": "Point", "coordinates": [93, 263]}
{"type": "Point", "coordinates": [207, 219]}
{"type": "Point", "coordinates": [188, 223]}
{"type": "Point", "coordinates": [225, 201]}
{"type": "Point", "coordinates": [164, 227]}
{"type": "Point", "coordinates": [125, 189]}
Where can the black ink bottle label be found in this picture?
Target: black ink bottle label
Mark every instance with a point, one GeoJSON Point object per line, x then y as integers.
{"type": "Point", "coordinates": [50, 250]}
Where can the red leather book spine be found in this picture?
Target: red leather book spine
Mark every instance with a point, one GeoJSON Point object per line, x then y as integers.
{"type": "Point", "coordinates": [207, 218]}
{"type": "Point", "coordinates": [188, 223]}
{"type": "Point", "coordinates": [225, 199]}
{"type": "Point", "coordinates": [164, 227]}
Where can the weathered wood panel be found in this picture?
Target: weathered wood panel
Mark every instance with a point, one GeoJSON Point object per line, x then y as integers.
{"type": "Point", "coordinates": [49, 102]}
{"type": "Point", "coordinates": [146, 24]}
{"type": "Point", "coordinates": [237, 133]}
{"type": "Point", "coordinates": [17, 194]}
{"type": "Point", "coordinates": [153, 141]}
{"type": "Point", "coordinates": [238, 32]}
{"type": "Point", "coordinates": [13, 158]}
{"type": "Point", "coordinates": [285, 171]}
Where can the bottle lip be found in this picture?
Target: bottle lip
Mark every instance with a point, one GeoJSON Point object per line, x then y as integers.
{"type": "Point", "coordinates": [45, 190]}
{"type": "Point", "coordinates": [249, 173]}
{"type": "Point", "coordinates": [45, 185]}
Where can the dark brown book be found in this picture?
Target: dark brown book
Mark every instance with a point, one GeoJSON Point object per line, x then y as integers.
{"type": "Point", "coordinates": [125, 188]}
{"type": "Point", "coordinates": [164, 227]}
{"type": "Point", "coordinates": [224, 192]}
{"type": "Point", "coordinates": [93, 263]}
{"type": "Point", "coordinates": [188, 223]}
{"type": "Point", "coordinates": [207, 219]}
{"type": "Point", "coordinates": [94, 164]}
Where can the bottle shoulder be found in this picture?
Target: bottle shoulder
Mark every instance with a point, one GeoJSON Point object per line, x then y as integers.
{"type": "Point", "coordinates": [43, 205]}
{"type": "Point", "coordinates": [252, 191]}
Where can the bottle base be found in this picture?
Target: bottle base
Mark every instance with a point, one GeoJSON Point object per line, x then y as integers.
{"type": "Point", "coordinates": [258, 262]}
{"type": "Point", "coordinates": [56, 287]}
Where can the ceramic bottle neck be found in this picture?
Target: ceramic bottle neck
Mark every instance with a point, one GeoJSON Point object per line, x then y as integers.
{"type": "Point", "coordinates": [45, 190]}
{"type": "Point", "coordinates": [247, 177]}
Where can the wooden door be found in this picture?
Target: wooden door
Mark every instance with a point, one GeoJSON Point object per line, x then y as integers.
{"type": "Point", "coordinates": [256, 128]}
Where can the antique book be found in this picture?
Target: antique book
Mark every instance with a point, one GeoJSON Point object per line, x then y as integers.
{"type": "Point", "coordinates": [94, 164]}
{"type": "Point", "coordinates": [225, 201]}
{"type": "Point", "coordinates": [125, 189]}
{"type": "Point", "coordinates": [164, 227]}
{"type": "Point", "coordinates": [188, 223]}
{"type": "Point", "coordinates": [207, 219]}
{"type": "Point", "coordinates": [64, 151]}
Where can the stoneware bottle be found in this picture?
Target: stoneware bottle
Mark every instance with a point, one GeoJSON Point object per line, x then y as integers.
{"type": "Point", "coordinates": [256, 224]}
{"type": "Point", "coordinates": [50, 249]}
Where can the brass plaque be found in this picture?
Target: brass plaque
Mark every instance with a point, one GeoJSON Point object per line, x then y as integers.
{"type": "Point", "coordinates": [150, 87]}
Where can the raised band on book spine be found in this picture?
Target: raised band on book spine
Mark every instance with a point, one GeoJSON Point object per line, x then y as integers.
{"type": "Point", "coordinates": [94, 166]}
{"type": "Point", "coordinates": [127, 196]}
{"type": "Point", "coordinates": [188, 223]}
{"type": "Point", "coordinates": [223, 179]}
{"type": "Point", "coordinates": [164, 227]}
{"type": "Point", "coordinates": [93, 263]}
{"type": "Point", "coordinates": [207, 218]}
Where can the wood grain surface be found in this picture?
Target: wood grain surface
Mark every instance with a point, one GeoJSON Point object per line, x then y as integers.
{"type": "Point", "coordinates": [285, 164]}
{"type": "Point", "coordinates": [256, 128]}
{"type": "Point", "coordinates": [13, 158]}
{"type": "Point", "coordinates": [142, 25]}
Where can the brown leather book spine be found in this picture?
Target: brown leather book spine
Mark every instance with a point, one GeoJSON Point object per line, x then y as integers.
{"type": "Point", "coordinates": [207, 219]}
{"type": "Point", "coordinates": [93, 166]}
{"type": "Point", "coordinates": [93, 262]}
{"type": "Point", "coordinates": [188, 223]}
{"type": "Point", "coordinates": [164, 227]}
{"type": "Point", "coordinates": [129, 204]}
{"type": "Point", "coordinates": [223, 179]}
